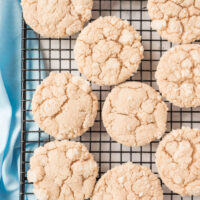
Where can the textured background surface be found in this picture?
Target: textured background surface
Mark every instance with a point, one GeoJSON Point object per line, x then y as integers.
{"type": "Point", "coordinates": [58, 55]}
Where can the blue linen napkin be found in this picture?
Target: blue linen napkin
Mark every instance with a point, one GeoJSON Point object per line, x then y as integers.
{"type": "Point", "coordinates": [10, 65]}
{"type": "Point", "coordinates": [10, 95]}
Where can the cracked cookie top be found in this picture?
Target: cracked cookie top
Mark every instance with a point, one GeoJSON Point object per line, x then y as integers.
{"type": "Point", "coordinates": [56, 19]}
{"type": "Point", "coordinates": [178, 75]}
{"type": "Point", "coordinates": [64, 105]}
{"type": "Point", "coordinates": [134, 114]}
{"type": "Point", "coordinates": [176, 20]}
{"type": "Point", "coordinates": [108, 51]}
{"type": "Point", "coordinates": [178, 161]}
{"type": "Point", "coordinates": [130, 182]}
{"type": "Point", "coordinates": [62, 170]}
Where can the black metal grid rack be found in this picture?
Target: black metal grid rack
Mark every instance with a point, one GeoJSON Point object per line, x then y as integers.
{"type": "Point", "coordinates": [47, 55]}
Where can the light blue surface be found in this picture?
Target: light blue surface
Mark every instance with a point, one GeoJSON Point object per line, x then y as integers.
{"type": "Point", "coordinates": [10, 33]}
{"type": "Point", "coordinates": [10, 96]}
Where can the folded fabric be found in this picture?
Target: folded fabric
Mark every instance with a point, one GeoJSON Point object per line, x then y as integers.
{"type": "Point", "coordinates": [10, 96]}
{"type": "Point", "coordinates": [10, 34]}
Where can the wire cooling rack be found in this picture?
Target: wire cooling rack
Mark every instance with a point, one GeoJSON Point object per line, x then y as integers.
{"type": "Point", "coordinates": [57, 55]}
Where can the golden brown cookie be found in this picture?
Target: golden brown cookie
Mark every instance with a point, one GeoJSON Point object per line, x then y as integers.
{"type": "Point", "coordinates": [134, 114]}
{"type": "Point", "coordinates": [64, 105]}
{"type": "Point", "coordinates": [56, 19]}
{"type": "Point", "coordinates": [178, 75]}
{"type": "Point", "coordinates": [176, 20]}
{"type": "Point", "coordinates": [130, 182]}
{"type": "Point", "coordinates": [178, 161]}
{"type": "Point", "coordinates": [62, 170]}
{"type": "Point", "coordinates": [108, 51]}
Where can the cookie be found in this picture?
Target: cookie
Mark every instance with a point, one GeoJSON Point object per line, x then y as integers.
{"type": "Point", "coordinates": [108, 51]}
{"type": "Point", "coordinates": [178, 21]}
{"type": "Point", "coordinates": [178, 75]}
{"type": "Point", "coordinates": [128, 181]}
{"type": "Point", "coordinates": [62, 170]}
{"type": "Point", "coordinates": [134, 114]}
{"type": "Point", "coordinates": [64, 105]}
{"type": "Point", "coordinates": [178, 161]}
{"type": "Point", "coordinates": [56, 19]}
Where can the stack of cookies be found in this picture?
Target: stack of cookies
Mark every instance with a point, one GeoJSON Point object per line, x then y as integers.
{"type": "Point", "coordinates": [108, 51]}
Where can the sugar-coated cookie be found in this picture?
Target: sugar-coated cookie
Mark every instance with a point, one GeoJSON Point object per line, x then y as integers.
{"type": "Point", "coordinates": [130, 182]}
{"type": "Point", "coordinates": [176, 20]}
{"type": "Point", "coordinates": [178, 75]}
{"type": "Point", "coordinates": [56, 19]}
{"type": "Point", "coordinates": [178, 161]}
{"type": "Point", "coordinates": [64, 105]}
{"type": "Point", "coordinates": [108, 51]}
{"type": "Point", "coordinates": [62, 170]}
{"type": "Point", "coordinates": [134, 114]}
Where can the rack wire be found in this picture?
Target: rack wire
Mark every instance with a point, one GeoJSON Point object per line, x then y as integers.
{"type": "Point", "coordinates": [57, 55]}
